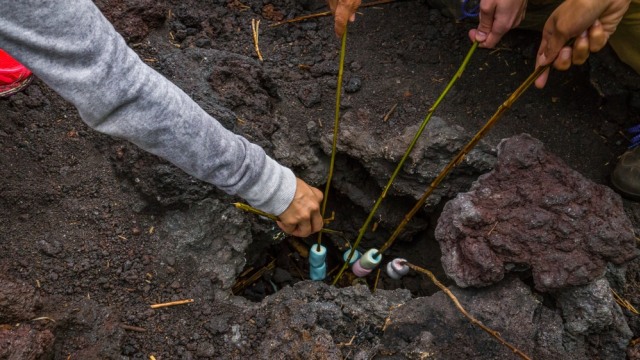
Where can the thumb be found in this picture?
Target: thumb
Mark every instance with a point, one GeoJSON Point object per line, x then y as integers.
{"type": "Point", "coordinates": [485, 25]}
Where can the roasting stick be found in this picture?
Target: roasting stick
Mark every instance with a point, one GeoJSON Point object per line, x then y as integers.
{"type": "Point", "coordinates": [374, 256]}
{"type": "Point", "coordinates": [461, 155]}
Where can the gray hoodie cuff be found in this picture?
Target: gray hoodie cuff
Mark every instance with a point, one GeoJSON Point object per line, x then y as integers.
{"type": "Point", "coordinates": [274, 189]}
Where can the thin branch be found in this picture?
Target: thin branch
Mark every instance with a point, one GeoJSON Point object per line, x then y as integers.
{"type": "Point", "coordinates": [171, 303]}
{"type": "Point", "coordinates": [43, 318]}
{"type": "Point", "coordinates": [240, 285]}
{"type": "Point", "coordinates": [375, 283]}
{"type": "Point", "coordinates": [460, 156]}
{"type": "Point", "coordinates": [390, 112]}
{"type": "Point", "coordinates": [624, 303]}
{"type": "Point", "coordinates": [251, 209]}
{"type": "Point", "coordinates": [417, 135]}
{"type": "Point", "coordinates": [464, 312]}
{"type": "Point", "coordinates": [255, 30]}
{"type": "Point", "coordinates": [336, 125]}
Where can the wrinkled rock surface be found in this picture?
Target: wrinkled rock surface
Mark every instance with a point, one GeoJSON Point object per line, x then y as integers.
{"type": "Point", "coordinates": [533, 212]}
{"type": "Point", "coordinates": [211, 237]}
{"type": "Point", "coordinates": [379, 154]}
{"type": "Point", "coordinates": [591, 316]}
{"type": "Point", "coordinates": [432, 327]}
{"type": "Point", "coordinates": [304, 320]}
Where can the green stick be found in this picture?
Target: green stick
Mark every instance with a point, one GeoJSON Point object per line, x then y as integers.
{"type": "Point", "coordinates": [458, 158]}
{"type": "Point", "coordinates": [336, 126]}
{"type": "Point", "coordinates": [433, 108]}
{"type": "Point", "coordinates": [251, 209]}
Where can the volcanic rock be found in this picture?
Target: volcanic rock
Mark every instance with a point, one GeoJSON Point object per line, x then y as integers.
{"type": "Point", "coordinates": [533, 213]}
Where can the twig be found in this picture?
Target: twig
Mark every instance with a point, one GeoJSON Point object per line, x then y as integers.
{"type": "Point", "coordinates": [171, 303]}
{"type": "Point", "coordinates": [133, 328]}
{"type": "Point", "coordinates": [255, 28]}
{"type": "Point", "coordinates": [349, 343]}
{"type": "Point", "coordinates": [460, 156]}
{"type": "Point", "coordinates": [390, 112]}
{"type": "Point", "coordinates": [251, 209]}
{"type": "Point", "coordinates": [302, 18]}
{"type": "Point", "coordinates": [472, 319]}
{"type": "Point", "coordinates": [327, 13]}
{"type": "Point", "coordinates": [433, 108]}
{"type": "Point", "coordinates": [336, 126]}
{"type": "Point", "coordinates": [375, 284]}
{"type": "Point", "coordinates": [492, 228]}
{"type": "Point", "coordinates": [624, 303]}
{"type": "Point", "coordinates": [43, 318]}
{"type": "Point", "coordinates": [299, 246]}
{"type": "Point", "coordinates": [387, 321]}
{"type": "Point", "coordinates": [253, 278]}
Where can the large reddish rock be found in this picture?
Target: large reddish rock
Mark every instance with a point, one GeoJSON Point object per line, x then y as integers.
{"type": "Point", "coordinates": [533, 212]}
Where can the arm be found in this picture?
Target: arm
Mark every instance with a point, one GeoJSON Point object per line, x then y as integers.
{"type": "Point", "coordinates": [70, 46]}
{"type": "Point", "coordinates": [590, 22]}
{"type": "Point", "coordinates": [343, 10]}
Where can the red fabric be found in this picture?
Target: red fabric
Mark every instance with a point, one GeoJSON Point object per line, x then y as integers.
{"type": "Point", "coordinates": [11, 71]}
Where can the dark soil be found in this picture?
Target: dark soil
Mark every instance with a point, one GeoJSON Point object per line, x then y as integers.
{"type": "Point", "coordinates": [81, 214]}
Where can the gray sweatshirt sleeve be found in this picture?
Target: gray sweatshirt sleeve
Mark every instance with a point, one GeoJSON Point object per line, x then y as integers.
{"type": "Point", "coordinates": [74, 49]}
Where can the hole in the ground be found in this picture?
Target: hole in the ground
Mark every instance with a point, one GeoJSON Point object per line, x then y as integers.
{"type": "Point", "coordinates": [274, 263]}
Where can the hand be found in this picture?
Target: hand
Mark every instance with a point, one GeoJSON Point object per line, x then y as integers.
{"type": "Point", "coordinates": [497, 17]}
{"type": "Point", "coordinates": [302, 217]}
{"type": "Point", "coordinates": [591, 22]}
{"type": "Point", "coordinates": [343, 10]}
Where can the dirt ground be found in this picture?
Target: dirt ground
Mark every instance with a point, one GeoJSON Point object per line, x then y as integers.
{"type": "Point", "coordinates": [81, 214]}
